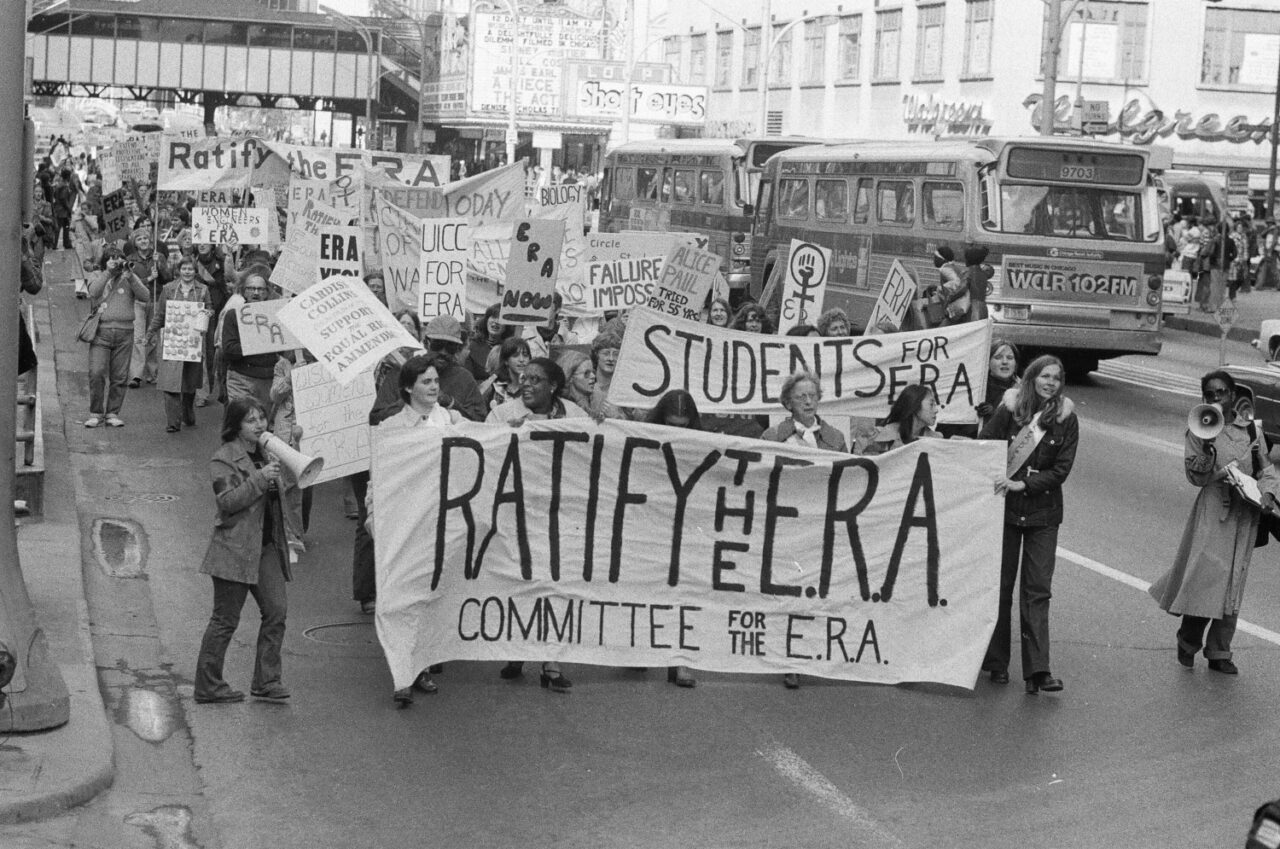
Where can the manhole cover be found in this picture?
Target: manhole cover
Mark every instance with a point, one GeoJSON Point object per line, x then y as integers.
{"type": "Point", "coordinates": [142, 498]}
{"type": "Point", "coordinates": [344, 634]}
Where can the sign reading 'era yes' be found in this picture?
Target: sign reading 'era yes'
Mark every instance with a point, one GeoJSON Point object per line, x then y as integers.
{"type": "Point", "coordinates": [532, 267]}
{"type": "Point", "coordinates": [340, 250]}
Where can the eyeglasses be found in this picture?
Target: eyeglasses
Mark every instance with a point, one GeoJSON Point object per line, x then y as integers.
{"type": "Point", "coordinates": [1217, 393]}
{"type": "Point", "coordinates": [531, 379]}
{"type": "Point", "coordinates": [248, 289]}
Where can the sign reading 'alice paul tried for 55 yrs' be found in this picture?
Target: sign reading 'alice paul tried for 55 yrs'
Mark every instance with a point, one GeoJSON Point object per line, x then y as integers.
{"type": "Point", "coordinates": [532, 267]}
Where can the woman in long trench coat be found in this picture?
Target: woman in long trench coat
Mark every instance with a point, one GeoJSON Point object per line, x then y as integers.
{"type": "Point", "coordinates": [180, 380]}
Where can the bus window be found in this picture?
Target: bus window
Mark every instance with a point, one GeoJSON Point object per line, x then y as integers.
{"type": "Point", "coordinates": [896, 202]}
{"type": "Point", "coordinates": [943, 205]}
{"type": "Point", "coordinates": [1074, 212]}
{"type": "Point", "coordinates": [664, 196]}
{"type": "Point", "coordinates": [830, 200]}
{"type": "Point", "coordinates": [862, 202]}
{"type": "Point", "coordinates": [711, 187]}
{"type": "Point", "coordinates": [684, 188]}
{"type": "Point", "coordinates": [620, 183]}
{"type": "Point", "coordinates": [764, 208]}
{"type": "Point", "coordinates": [647, 183]}
{"type": "Point", "coordinates": [793, 198]}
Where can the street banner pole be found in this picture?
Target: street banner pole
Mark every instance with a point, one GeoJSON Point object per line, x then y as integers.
{"type": "Point", "coordinates": [42, 702]}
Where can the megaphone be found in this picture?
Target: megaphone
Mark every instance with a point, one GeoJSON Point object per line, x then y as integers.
{"type": "Point", "coordinates": [1205, 421]}
{"type": "Point", "coordinates": [303, 468]}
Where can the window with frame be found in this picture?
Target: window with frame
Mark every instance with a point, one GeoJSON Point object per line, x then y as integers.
{"type": "Point", "coordinates": [724, 59]}
{"type": "Point", "coordinates": [711, 187]}
{"type": "Point", "coordinates": [815, 53]}
{"type": "Point", "coordinates": [683, 185]}
{"type": "Point", "coordinates": [780, 66]}
{"type": "Point", "coordinates": [793, 198]}
{"type": "Point", "coordinates": [1240, 47]}
{"type": "Point", "coordinates": [1110, 45]}
{"type": "Point", "coordinates": [751, 58]}
{"type": "Point", "coordinates": [888, 40]}
{"type": "Point", "coordinates": [647, 183]}
{"type": "Point", "coordinates": [698, 59]}
{"type": "Point", "coordinates": [929, 22]}
{"type": "Point", "coordinates": [979, 21]}
{"type": "Point", "coordinates": [668, 177]}
{"type": "Point", "coordinates": [849, 49]}
{"type": "Point", "coordinates": [831, 200]}
{"type": "Point", "coordinates": [943, 205]}
{"type": "Point", "coordinates": [896, 202]}
{"type": "Point", "coordinates": [673, 50]}
{"type": "Point", "coordinates": [862, 201]}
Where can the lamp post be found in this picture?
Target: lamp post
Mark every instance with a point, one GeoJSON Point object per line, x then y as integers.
{"type": "Point", "coordinates": [369, 118]}
{"type": "Point", "coordinates": [514, 104]}
{"type": "Point", "coordinates": [768, 58]}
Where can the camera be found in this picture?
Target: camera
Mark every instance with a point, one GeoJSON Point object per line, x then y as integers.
{"type": "Point", "coordinates": [1265, 833]}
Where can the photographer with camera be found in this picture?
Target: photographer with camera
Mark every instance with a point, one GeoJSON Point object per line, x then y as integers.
{"type": "Point", "coordinates": [114, 293]}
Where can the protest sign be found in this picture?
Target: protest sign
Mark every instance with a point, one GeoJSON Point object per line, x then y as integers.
{"type": "Point", "coordinates": [895, 298]}
{"type": "Point", "coordinates": [621, 268]}
{"type": "Point", "coordinates": [208, 163]}
{"type": "Point", "coordinates": [610, 545]}
{"type": "Point", "coordinates": [568, 204]}
{"type": "Point", "coordinates": [296, 270]}
{"type": "Point", "coordinates": [442, 275]}
{"type": "Point", "coordinates": [306, 222]}
{"type": "Point", "coordinates": [400, 248]}
{"type": "Point", "coordinates": [334, 419]}
{"type": "Point", "coordinates": [182, 337]}
{"type": "Point", "coordinates": [327, 163]}
{"type": "Point", "coordinates": [532, 267]}
{"type": "Point", "coordinates": [345, 326]}
{"type": "Point", "coordinates": [496, 195]}
{"type": "Point", "coordinates": [730, 371]}
{"type": "Point", "coordinates": [686, 279]}
{"type": "Point", "coordinates": [229, 225]}
{"type": "Point", "coordinates": [260, 329]}
{"type": "Point", "coordinates": [805, 284]}
{"type": "Point", "coordinates": [109, 167]}
{"type": "Point", "coordinates": [339, 247]}
{"type": "Point", "coordinates": [115, 216]}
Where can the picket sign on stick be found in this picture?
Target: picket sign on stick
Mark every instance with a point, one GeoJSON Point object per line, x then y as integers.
{"type": "Point", "coordinates": [345, 326]}
{"type": "Point", "coordinates": [568, 204]}
{"type": "Point", "coordinates": [895, 298]}
{"type": "Point", "coordinates": [882, 569]}
{"type": "Point", "coordinates": [334, 419]}
{"type": "Point", "coordinates": [230, 225]}
{"type": "Point", "coordinates": [182, 337]}
{"type": "Point", "coordinates": [805, 284]}
{"type": "Point", "coordinates": [687, 276]}
{"type": "Point", "coordinates": [340, 247]}
{"type": "Point", "coordinates": [115, 216]}
{"type": "Point", "coordinates": [446, 243]}
{"type": "Point", "coordinates": [532, 267]}
{"type": "Point", "coordinates": [260, 329]}
{"type": "Point", "coordinates": [730, 371]}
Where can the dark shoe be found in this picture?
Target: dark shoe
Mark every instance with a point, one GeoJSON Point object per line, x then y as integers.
{"type": "Point", "coordinates": [189, 422]}
{"type": "Point", "coordinates": [367, 607]}
{"type": "Point", "coordinates": [403, 698]}
{"type": "Point", "coordinates": [1043, 681]}
{"type": "Point", "coordinates": [1226, 667]}
{"type": "Point", "coordinates": [277, 693]}
{"type": "Point", "coordinates": [554, 680]}
{"type": "Point", "coordinates": [424, 684]}
{"type": "Point", "coordinates": [791, 681]}
{"type": "Point", "coordinates": [513, 670]}
{"type": "Point", "coordinates": [172, 429]}
{"type": "Point", "coordinates": [221, 697]}
{"type": "Point", "coordinates": [1186, 658]}
{"type": "Point", "coordinates": [999, 676]}
{"type": "Point", "coordinates": [681, 676]}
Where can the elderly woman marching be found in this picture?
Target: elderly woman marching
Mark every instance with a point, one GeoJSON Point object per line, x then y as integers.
{"type": "Point", "coordinates": [1205, 584]}
{"type": "Point", "coordinates": [179, 380]}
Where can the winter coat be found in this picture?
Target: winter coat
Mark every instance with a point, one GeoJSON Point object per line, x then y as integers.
{"type": "Point", "coordinates": [174, 375]}
{"type": "Point", "coordinates": [827, 437]}
{"type": "Point", "coordinates": [241, 492]}
{"type": "Point", "coordinates": [885, 438]}
{"type": "Point", "coordinates": [1208, 573]}
{"type": "Point", "coordinates": [1045, 470]}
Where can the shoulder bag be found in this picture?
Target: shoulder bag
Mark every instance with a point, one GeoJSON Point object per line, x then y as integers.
{"type": "Point", "coordinates": [89, 330]}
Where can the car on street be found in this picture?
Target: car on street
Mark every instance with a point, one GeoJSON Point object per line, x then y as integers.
{"type": "Point", "coordinates": [1260, 383]}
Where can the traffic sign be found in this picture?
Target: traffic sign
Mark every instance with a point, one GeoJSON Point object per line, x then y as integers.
{"type": "Point", "coordinates": [1095, 116]}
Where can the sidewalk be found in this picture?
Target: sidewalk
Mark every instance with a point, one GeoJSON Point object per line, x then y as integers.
{"type": "Point", "coordinates": [44, 773]}
{"type": "Point", "coordinates": [1252, 310]}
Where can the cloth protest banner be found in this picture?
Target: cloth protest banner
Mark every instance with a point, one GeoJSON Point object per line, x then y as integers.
{"type": "Point", "coordinates": [115, 215]}
{"type": "Point", "coordinates": [621, 268]}
{"type": "Point", "coordinates": [334, 419]}
{"type": "Point", "coordinates": [260, 329]}
{"type": "Point", "coordinates": [446, 243]}
{"type": "Point", "coordinates": [532, 267]}
{"type": "Point", "coordinates": [328, 163]}
{"type": "Point", "coordinates": [731, 371]}
{"type": "Point", "coordinates": [496, 195]}
{"type": "Point", "coordinates": [682, 288]}
{"type": "Point", "coordinates": [345, 326]}
{"type": "Point", "coordinates": [609, 544]}
{"type": "Point", "coordinates": [208, 163]}
{"type": "Point", "coordinates": [230, 225]}
{"type": "Point", "coordinates": [895, 298]}
{"type": "Point", "coordinates": [568, 204]}
{"type": "Point", "coordinates": [340, 250]}
{"type": "Point", "coordinates": [805, 284]}
{"type": "Point", "coordinates": [109, 167]}
{"type": "Point", "coordinates": [182, 337]}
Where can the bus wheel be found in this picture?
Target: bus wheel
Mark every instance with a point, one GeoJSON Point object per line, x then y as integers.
{"type": "Point", "coordinates": [1078, 368]}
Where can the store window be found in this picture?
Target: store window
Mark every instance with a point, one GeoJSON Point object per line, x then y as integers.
{"type": "Point", "coordinates": [751, 58]}
{"type": "Point", "coordinates": [724, 59]}
{"type": "Point", "coordinates": [674, 51]}
{"type": "Point", "coordinates": [1109, 43]}
{"type": "Point", "coordinates": [849, 49]}
{"type": "Point", "coordinates": [780, 67]}
{"type": "Point", "coordinates": [815, 53]}
{"type": "Point", "coordinates": [929, 42]}
{"type": "Point", "coordinates": [1241, 48]}
{"type": "Point", "coordinates": [698, 59]}
{"type": "Point", "coordinates": [978, 23]}
{"type": "Point", "coordinates": [888, 40]}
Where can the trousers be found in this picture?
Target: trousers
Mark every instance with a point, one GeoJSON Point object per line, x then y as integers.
{"type": "Point", "coordinates": [109, 357]}
{"type": "Point", "coordinates": [228, 601]}
{"type": "Point", "coordinates": [1217, 643]}
{"type": "Point", "coordinates": [1033, 552]}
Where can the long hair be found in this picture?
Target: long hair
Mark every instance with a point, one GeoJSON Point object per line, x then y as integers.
{"type": "Point", "coordinates": [510, 347]}
{"type": "Point", "coordinates": [728, 310]}
{"type": "Point", "coordinates": [904, 410]}
{"type": "Point", "coordinates": [1028, 402]}
{"type": "Point", "coordinates": [237, 411]}
{"type": "Point", "coordinates": [677, 402]}
{"type": "Point", "coordinates": [748, 309]}
{"type": "Point", "coordinates": [482, 326]}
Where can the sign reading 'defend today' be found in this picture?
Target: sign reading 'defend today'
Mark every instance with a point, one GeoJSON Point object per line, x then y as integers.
{"type": "Point", "coordinates": [532, 267]}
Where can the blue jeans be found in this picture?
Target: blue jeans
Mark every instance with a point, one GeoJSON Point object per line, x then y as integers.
{"type": "Point", "coordinates": [1035, 550]}
{"type": "Point", "coordinates": [109, 357]}
{"type": "Point", "coordinates": [228, 600]}
{"type": "Point", "coordinates": [146, 357]}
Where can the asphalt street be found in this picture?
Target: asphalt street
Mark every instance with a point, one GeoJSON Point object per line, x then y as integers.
{"type": "Point", "coordinates": [1136, 751]}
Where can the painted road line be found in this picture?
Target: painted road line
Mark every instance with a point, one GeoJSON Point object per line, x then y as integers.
{"type": "Point", "coordinates": [1127, 434]}
{"type": "Point", "coordinates": [1139, 584]}
{"type": "Point", "coordinates": [1175, 384]}
{"type": "Point", "coordinates": [792, 767]}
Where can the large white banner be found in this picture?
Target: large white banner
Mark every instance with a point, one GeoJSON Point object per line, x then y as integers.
{"type": "Point", "coordinates": [208, 163]}
{"type": "Point", "coordinates": [609, 544]}
{"type": "Point", "coordinates": [731, 371]}
{"type": "Point", "coordinates": [328, 163]}
{"type": "Point", "coordinates": [334, 419]}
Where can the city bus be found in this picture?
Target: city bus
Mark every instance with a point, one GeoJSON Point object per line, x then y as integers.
{"type": "Point", "coordinates": [701, 186]}
{"type": "Point", "coordinates": [1073, 228]}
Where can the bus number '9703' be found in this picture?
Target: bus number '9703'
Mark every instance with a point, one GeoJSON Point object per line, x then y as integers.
{"type": "Point", "coordinates": [1076, 172]}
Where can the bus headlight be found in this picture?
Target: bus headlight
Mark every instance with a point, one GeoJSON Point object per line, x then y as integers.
{"type": "Point", "coordinates": [1155, 282]}
{"type": "Point", "coordinates": [1153, 299]}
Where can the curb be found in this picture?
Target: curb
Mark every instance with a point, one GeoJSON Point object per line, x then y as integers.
{"type": "Point", "coordinates": [1209, 327]}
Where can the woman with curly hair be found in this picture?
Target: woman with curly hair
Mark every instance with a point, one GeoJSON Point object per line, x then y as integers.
{"type": "Point", "coordinates": [752, 318]}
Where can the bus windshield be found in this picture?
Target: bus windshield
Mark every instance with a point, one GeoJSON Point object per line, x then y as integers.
{"type": "Point", "coordinates": [1072, 212]}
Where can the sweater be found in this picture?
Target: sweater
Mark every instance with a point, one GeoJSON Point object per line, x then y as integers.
{"type": "Point", "coordinates": [120, 293]}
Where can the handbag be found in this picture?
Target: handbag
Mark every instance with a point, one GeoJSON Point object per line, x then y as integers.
{"type": "Point", "coordinates": [89, 329]}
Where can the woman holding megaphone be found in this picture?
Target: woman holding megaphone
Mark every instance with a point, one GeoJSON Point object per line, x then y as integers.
{"type": "Point", "coordinates": [1205, 584]}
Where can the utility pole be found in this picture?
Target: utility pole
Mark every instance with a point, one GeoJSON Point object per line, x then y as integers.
{"type": "Point", "coordinates": [1049, 63]}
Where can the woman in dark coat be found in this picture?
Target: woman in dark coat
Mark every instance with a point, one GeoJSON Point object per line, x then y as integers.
{"type": "Point", "coordinates": [179, 380]}
{"type": "Point", "coordinates": [247, 556]}
{"type": "Point", "coordinates": [1040, 424]}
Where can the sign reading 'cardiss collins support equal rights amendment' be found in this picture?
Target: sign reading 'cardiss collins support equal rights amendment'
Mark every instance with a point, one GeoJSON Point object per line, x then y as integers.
{"type": "Point", "coordinates": [627, 544]}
